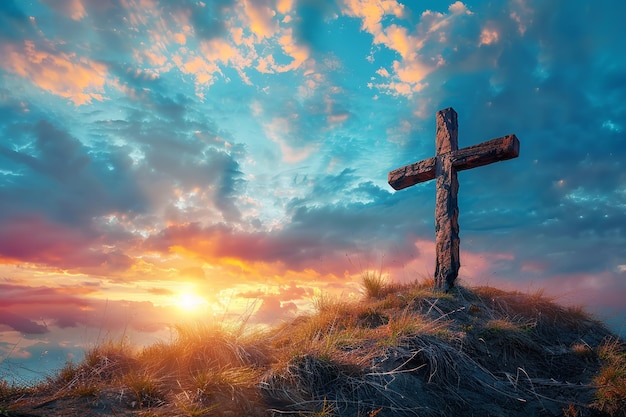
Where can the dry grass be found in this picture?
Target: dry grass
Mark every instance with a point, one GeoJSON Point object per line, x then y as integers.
{"type": "Point", "coordinates": [611, 380]}
{"type": "Point", "coordinates": [107, 361]}
{"type": "Point", "coordinates": [537, 309]}
{"type": "Point", "coordinates": [402, 351]}
{"type": "Point", "coordinates": [374, 283]}
{"type": "Point", "coordinates": [11, 396]}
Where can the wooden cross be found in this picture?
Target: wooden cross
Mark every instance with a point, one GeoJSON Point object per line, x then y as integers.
{"type": "Point", "coordinates": [448, 160]}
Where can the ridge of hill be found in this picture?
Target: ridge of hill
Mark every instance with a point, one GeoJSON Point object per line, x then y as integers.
{"type": "Point", "coordinates": [402, 351]}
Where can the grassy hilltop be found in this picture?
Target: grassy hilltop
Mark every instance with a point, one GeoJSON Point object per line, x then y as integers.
{"type": "Point", "coordinates": [402, 351]}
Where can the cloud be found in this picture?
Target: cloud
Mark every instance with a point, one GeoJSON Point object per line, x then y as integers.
{"type": "Point", "coordinates": [297, 52]}
{"type": "Point", "coordinates": [32, 239]}
{"type": "Point", "coordinates": [273, 310]}
{"type": "Point", "coordinates": [21, 324]}
{"type": "Point", "coordinates": [209, 40]}
{"type": "Point", "coordinates": [202, 69]}
{"type": "Point", "coordinates": [220, 241]}
{"type": "Point", "coordinates": [280, 304]}
{"type": "Point", "coordinates": [300, 124]}
{"type": "Point", "coordinates": [29, 305]}
{"type": "Point", "coordinates": [260, 18]}
{"type": "Point", "coordinates": [228, 177]}
{"type": "Point", "coordinates": [338, 215]}
{"type": "Point", "coordinates": [459, 8]}
{"type": "Point", "coordinates": [76, 184]}
{"type": "Point", "coordinates": [372, 12]}
{"type": "Point", "coordinates": [63, 189]}
{"type": "Point", "coordinates": [488, 36]}
{"type": "Point", "coordinates": [67, 307]}
{"type": "Point", "coordinates": [420, 48]}
{"type": "Point", "coordinates": [190, 176]}
{"type": "Point", "coordinates": [64, 74]}
{"type": "Point", "coordinates": [72, 8]}
{"type": "Point", "coordinates": [283, 129]}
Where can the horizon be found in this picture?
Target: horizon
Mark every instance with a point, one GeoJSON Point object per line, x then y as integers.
{"type": "Point", "coordinates": [162, 162]}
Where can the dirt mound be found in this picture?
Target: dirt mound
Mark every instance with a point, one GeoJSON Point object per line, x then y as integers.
{"type": "Point", "coordinates": [404, 351]}
{"type": "Point", "coordinates": [482, 352]}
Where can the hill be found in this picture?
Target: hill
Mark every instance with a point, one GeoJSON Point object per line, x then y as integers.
{"type": "Point", "coordinates": [402, 351]}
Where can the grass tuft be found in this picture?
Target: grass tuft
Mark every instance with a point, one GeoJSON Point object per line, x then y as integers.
{"type": "Point", "coordinates": [146, 389]}
{"type": "Point", "coordinates": [374, 283]}
{"type": "Point", "coordinates": [611, 380]}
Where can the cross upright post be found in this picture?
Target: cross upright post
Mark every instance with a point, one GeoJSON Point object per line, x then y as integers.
{"type": "Point", "coordinates": [444, 166]}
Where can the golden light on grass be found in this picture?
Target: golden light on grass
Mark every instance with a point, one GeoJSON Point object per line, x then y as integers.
{"type": "Point", "coordinates": [408, 349]}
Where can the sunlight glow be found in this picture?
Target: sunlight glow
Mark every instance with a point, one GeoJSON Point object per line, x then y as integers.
{"type": "Point", "coordinates": [190, 302]}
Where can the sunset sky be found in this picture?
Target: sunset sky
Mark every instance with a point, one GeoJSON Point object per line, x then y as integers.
{"type": "Point", "coordinates": [164, 161]}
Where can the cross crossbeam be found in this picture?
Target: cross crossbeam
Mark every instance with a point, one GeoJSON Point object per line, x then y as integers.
{"type": "Point", "coordinates": [443, 167]}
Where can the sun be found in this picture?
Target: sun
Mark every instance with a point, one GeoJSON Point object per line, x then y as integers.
{"type": "Point", "coordinates": [190, 302]}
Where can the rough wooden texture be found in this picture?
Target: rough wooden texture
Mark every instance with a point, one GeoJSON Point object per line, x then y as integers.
{"type": "Point", "coordinates": [412, 174]}
{"type": "Point", "coordinates": [447, 139]}
{"type": "Point", "coordinates": [447, 239]}
{"type": "Point", "coordinates": [500, 149]}
{"type": "Point", "coordinates": [444, 166]}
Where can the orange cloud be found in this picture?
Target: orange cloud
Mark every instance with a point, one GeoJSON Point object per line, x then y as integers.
{"type": "Point", "coordinates": [337, 119]}
{"type": "Point", "coordinates": [253, 255]}
{"type": "Point", "coordinates": [397, 38]}
{"type": "Point", "coordinates": [488, 36]}
{"type": "Point", "coordinates": [77, 79]}
{"type": "Point", "coordinates": [383, 72]}
{"type": "Point", "coordinates": [219, 50]}
{"type": "Point", "coordinates": [412, 72]}
{"type": "Point", "coordinates": [372, 12]}
{"type": "Point", "coordinates": [284, 6]}
{"type": "Point", "coordinates": [35, 240]}
{"type": "Point", "coordinates": [413, 67]}
{"type": "Point", "coordinates": [155, 58]}
{"type": "Point", "coordinates": [72, 8]}
{"type": "Point", "coordinates": [299, 53]}
{"type": "Point", "coordinates": [180, 38]}
{"type": "Point", "coordinates": [459, 8]}
{"type": "Point", "coordinates": [38, 309]}
{"type": "Point", "coordinates": [202, 69]}
{"type": "Point", "coordinates": [77, 10]}
{"type": "Point", "coordinates": [260, 17]}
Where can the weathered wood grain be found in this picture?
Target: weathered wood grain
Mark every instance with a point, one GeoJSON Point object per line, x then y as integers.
{"type": "Point", "coordinates": [443, 167]}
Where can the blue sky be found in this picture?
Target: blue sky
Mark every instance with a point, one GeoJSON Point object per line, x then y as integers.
{"type": "Point", "coordinates": [164, 161]}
